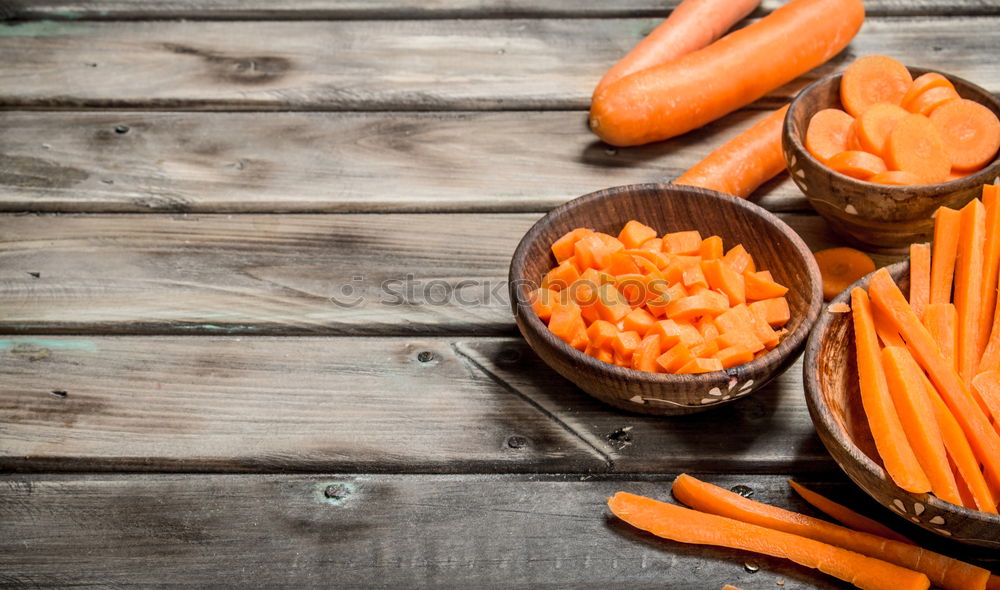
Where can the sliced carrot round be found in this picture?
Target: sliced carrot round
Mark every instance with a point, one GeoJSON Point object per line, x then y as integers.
{"type": "Point", "coordinates": [970, 131]}
{"type": "Point", "coordinates": [857, 164]}
{"type": "Point", "coordinates": [873, 79]}
{"type": "Point", "coordinates": [827, 133]}
{"type": "Point", "coordinates": [932, 98]}
{"type": "Point", "coordinates": [916, 146]}
{"type": "Point", "coordinates": [896, 178]}
{"type": "Point", "coordinates": [840, 268]}
{"type": "Point", "coordinates": [876, 123]}
{"type": "Point", "coordinates": [922, 83]}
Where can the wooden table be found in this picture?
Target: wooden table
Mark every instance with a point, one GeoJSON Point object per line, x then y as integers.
{"type": "Point", "coordinates": [193, 193]}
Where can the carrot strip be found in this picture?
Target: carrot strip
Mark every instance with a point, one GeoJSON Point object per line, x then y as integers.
{"type": "Point", "coordinates": [690, 526]}
{"type": "Point", "coordinates": [946, 232]}
{"type": "Point", "coordinates": [890, 439]}
{"type": "Point", "coordinates": [845, 515]}
{"type": "Point", "coordinates": [944, 571]}
{"type": "Point", "coordinates": [987, 384]}
{"type": "Point", "coordinates": [744, 162]}
{"type": "Point", "coordinates": [872, 79]}
{"type": "Point", "coordinates": [828, 133]}
{"type": "Point", "coordinates": [940, 320]}
{"type": "Point", "coordinates": [887, 333]}
{"type": "Point", "coordinates": [968, 287]}
{"type": "Point", "coordinates": [984, 440]}
{"type": "Point", "coordinates": [920, 277]}
{"type": "Point", "coordinates": [991, 270]}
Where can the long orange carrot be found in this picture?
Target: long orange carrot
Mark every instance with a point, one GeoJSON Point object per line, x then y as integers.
{"type": "Point", "coordinates": [920, 277]}
{"type": "Point", "coordinates": [946, 228]}
{"type": "Point", "coordinates": [969, 287]}
{"type": "Point", "coordinates": [944, 571]}
{"type": "Point", "coordinates": [744, 162]}
{"type": "Point", "coordinates": [898, 457]}
{"type": "Point", "coordinates": [690, 526]}
{"type": "Point", "coordinates": [691, 26]}
{"type": "Point", "coordinates": [940, 320]}
{"type": "Point", "coordinates": [984, 440]}
{"type": "Point", "coordinates": [991, 356]}
{"type": "Point", "coordinates": [991, 261]}
{"type": "Point", "coordinates": [845, 515]}
{"type": "Point", "coordinates": [673, 98]}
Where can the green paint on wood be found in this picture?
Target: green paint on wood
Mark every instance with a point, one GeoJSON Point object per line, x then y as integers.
{"type": "Point", "coordinates": [80, 345]}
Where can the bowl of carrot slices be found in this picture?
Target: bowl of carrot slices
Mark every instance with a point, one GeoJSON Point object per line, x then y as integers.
{"type": "Point", "coordinates": [879, 147]}
{"type": "Point", "coordinates": [664, 299]}
{"type": "Point", "coordinates": [902, 378]}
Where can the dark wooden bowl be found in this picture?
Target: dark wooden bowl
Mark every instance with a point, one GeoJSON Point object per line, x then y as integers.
{"type": "Point", "coordinates": [874, 216]}
{"type": "Point", "coordinates": [831, 381]}
{"type": "Point", "coordinates": [667, 208]}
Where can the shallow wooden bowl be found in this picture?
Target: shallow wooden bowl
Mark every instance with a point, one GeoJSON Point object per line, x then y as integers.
{"type": "Point", "coordinates": [831, 382]}
{"type": "Point", "coordinates": [668, 208]}
{"type": "Point", "coordinates": [874, 216]}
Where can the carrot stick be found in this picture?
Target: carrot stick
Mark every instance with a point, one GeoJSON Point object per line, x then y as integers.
{"type": "Point", "coordinates": [920, 277]}
{"type": "Point", "coordinates": [943, 571]}
{"type": "Point", "coordinates": [940, 320]}
{"type": "Point", "coordinates": [886, 330]}
{"type": "Point", "coordinates": [744, 162]}
{"type": "Point", "coordinates": [991, 260]}
{"type": "Point", "coordinates": [890, 439]}
{"type": "Point", "coordinates": [969, 286]}
{"type": "Point", "coordinates": [984, 440]}
{"type": "Point", "coordinates": [987, 384]}
{"type": "Point", "coordinates": [968, 500]}
{"type": "Point", "coordinates": [991, 356]}
{"type": "Point", "coordinates": [673, 98]}
{"type": "Point", "coordinates": [946, 232]}
{"type": "Point", "coordinates": [690, 526]}
{"type": "Point", "coordinates": [692, 25]}
{"type": "Point", "coordinates": [845, 515]}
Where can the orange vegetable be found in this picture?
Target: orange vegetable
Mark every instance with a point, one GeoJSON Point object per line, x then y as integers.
{"type": "Point", "coordinates": [711, 248]}
{"type": "Point", "coordinates": [932, 99]}
{"type": "Point", "coordinates": [968, 287]}
{"type": "Point", "coordinates": [773, 311]}
{"type": "Point", "coordinates": [739, 259]}
{"type": "Point", "coordinates": [626, 343]}
{"type": "Point", "coordinates": [987, 384]}
{"type": "Point", "coordinates": [744, 162]}
{"type": "Point", "coordinates": [701, 365]}
{"type": "Point", "coordinates": [679, 355]}
{"type": "Point", "coordinates": [916, 146]}
{"type": "Point", "coordinates": [920, 84]}
{"type": "Point", "coordinates": [733, 356]}
{"type": "Point", "coordinates": [885, 329]}
{"type": "Point", "coordinates": [945, 250]}
{"type": "Point", "coordinates": [970, 130]}
{"type": "Point", "coordinates": [690, 526]}
{"type": "Point", "coordinates": [941, 319]}
{"type": "Point", "coordinates": [566, 322]}
{"type": "Point", "coordinates": [691, 26]}
{"type": "Point", "coordinates": [595, 251]}
{"type": "Point", "coordinates": [634, 234]}
{"type": "Point", "coordinates": [876, 123]}
{"type": "Point", "coordinates": [920, 277]}
{"type": "Point", "coordinates": [896, 178]}
{"type": "Point", "coordinates": [695, 306]}
{"type": "Point", "coordinates": [873, 79]}
{"type": "Point", "coordinates": [683, 243]}
{"type": "Point", "coordinates": [611, 304]}
{"type": "Point", "coordinates": [887, 430]}
{"type": "Point", "coordinates": [563, 247]}
{"type": "Point", "coordinates": [730, 587]}
{"type": "Point", "coordinates": [644, 357]}
{"type": "Point", "coordinates": [828, 132]}
{"type": "Point", "coordinates": [670, 99]}
{"type": "Point", "coordinates": [991, 270]}
{"type": "Point", "coordinates": [602, 334]}
{"type": "Point", "coordinates": [543, 301]}
{"type": "Point", "coordinates": [561, 276]}
{"type": "Point", "coordinates": [722, 277]}
{"type": "Point", "coordinates": [760, 285]}
{"type": "Point", "coordinates": [639, 320]}
{"type": "Point", "coordinates": [845, 515]}
{"type": "Point", "coordinates": [840, 268]}
{"type": "Point", "coordinates": [857, 164]}
{"type": "Point", "coordinates": [944, 571]}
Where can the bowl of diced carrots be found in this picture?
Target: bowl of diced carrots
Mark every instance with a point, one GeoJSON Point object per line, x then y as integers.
{"type": "Point", "coordinates": [664, 299]}
{"type": "Point", "coordinates": [902, 378]}
{"type": "Point", "coordinates": [879, 147]}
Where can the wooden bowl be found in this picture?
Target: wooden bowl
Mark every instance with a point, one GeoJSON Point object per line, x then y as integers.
{"type": "Point", "coordinates": [668, 208]}
{"type": "Point", "coordinates": [874, 216]}
{"type": "Point", "coordinates": [832, 395]}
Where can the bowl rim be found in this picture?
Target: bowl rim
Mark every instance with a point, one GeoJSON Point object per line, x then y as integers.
{"type": "Point", "coordinates": [789, 345]}
{"type": "Point", "coordinates": [796, 142]}
{"type": "Point", "coordinates": [820, 411]}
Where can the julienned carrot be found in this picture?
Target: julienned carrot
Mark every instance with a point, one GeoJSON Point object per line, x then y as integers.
{"type": "Point", "coordinates": [691, 26]}
{"type": "Point", "coordinates": [945, 249]}
{"type": "Point", "coordinates": [940, 319]}
{"type": "Point", "coordinates": [840, 268]}
{"type": "Point", "coordinates": [984, 440]}
{"type": "Point", "coordinates": [944, 571]}
{"type": "Point", "coordinates": [916, 146]}
{"type": "Point", "coordinates": [970, 130]}
{"type": "Point", "coordinates": [987, 384]}
{"type": "Point", "coordinates": [873, 79]}
{"type": "Point", "coordinates": [991, 356]}
{"type": "Point", "coordinates": [744, 162]}
{"type": "Point", "coordinates": [920, 277]}
{"type": "Point", "coordinates": [670, 99]}
{"type": "Point", "coordinates": [991, 270]}
{"type": "Point", "coordinates": [887, 430]}
{"type": "Point", "coordinates": [828, 133]}
{"type": "Point", "coordinates": [845, 515]}
{"type": "Point", "coordinates": [968, 287]}
{"type": "Point", "coordinates": [690, 526]}
{"type": "Point", "coordinates": [886, 330]}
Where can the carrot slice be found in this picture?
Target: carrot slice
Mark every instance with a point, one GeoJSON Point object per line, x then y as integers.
{"type": "Point", "coordinates": [896, 178]}
{"type": "Point", "coordinates": [845, 515]}
{"type": "Point", "coordinates": [940, 319]}
{"type": "Point", "coordinates": [857, 164]}
{"type": "Point", "coordinates": [887, 430]}
{"type": "Point", "coordinates": [932, 99]}
{"type": "Point", "coordinates": [828, 133]}
{"type": "Point", "coordinates": [872, 79]}
{"type": "Point", "coordinates": [968, 287]}
{"type": "Point", "coordinates": [945, 250]}
{"type": "Point", "coordinates": [920, 277]}
{"type": "Point", "coordinates": [635, 233]}
{"type": "Point", "coordinates": [916, 146]}
{"type": "Point", "coordinates": [840, 268]}
{"type": "Point", "coordinates": [690, 526]}
{"type": "Point", "coordinates": [970, 130]}
{"type": "Point", "coordinates": [944, 571]}
{"type": "Point", "coordinates": [875, 125]}
{"type": "Point", "coordinates": [920, 84]}
{"type": "Point", "coordinates": [991, 272]}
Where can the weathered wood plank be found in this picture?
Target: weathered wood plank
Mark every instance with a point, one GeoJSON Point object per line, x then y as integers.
{"type": "Point", "coordinates": [359, 404]}
{"type": "Point", "coordinates": [376, 65]}
{"type": "Point", "coordinates": [373, 531]}
{"type": "Point", "coordinates": [259, 274]}
{"type": "Point", "coordinates": [333, 162]}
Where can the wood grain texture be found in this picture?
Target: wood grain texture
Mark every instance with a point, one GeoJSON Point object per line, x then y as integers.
{"type": "Point", "coordinates": [418, 531]}
{"type": "Point", "coordinates": [268, 274]}
{"type": "Point", "coordinates": [495, 64]}
{"type": "Point", "coordinates": [358, 404]}
{"type": "Point", "coordinates": [333, 162]}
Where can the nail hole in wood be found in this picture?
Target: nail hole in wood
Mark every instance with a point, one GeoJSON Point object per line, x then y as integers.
{"type": "Point", "coordinates": [425, 356]}
{"type": "Point", "coordinates": [121, 129]}
{"type": "Point", "coordinates": [35, 274]}
{"type": "Point", "coordinates": [336, 491]}
{"type": "Point", "coordinates": [509, 356]}
{"type": "Point", "coordinates": [59, 393]}
{"type": "Point", "coordinates": [516, 442]}
{"type": "Point", "coordinates": [745, 491]}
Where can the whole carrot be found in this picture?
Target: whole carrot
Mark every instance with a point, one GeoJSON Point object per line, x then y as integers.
{"type": "Point", "coordinates": [676, 97]}
{"type": "Point", "coordinates": [691, 26]}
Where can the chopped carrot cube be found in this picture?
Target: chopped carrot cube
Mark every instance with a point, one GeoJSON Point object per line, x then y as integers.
{"type": "Point", "coordinates": [675, 358]}
{"type": "Point", "coordinates": [759, 286]}
{"type": "Point", "coordinates": [595, 250]}
{"type": "Point", "coordinates": [774, 311]}
{"type": "Point", "coordinates": [765, 333]}
{"type": "Point", "coordinates": [635, 233]}
{"type": "Point", "coordinates": [733, 356]}
{"type": "Point", "coordinates": [652, 245]}
{"type": "Point", "coordinates": [601, 334]}
{"type": "Point", "coordinates": [693, 278]}
{"type": "Point", "coordinates": [739, 259]}
{"type": "Point", "coordinates": [707, 328]}
{"type": "Point", "coordinates": [625, 343]}
{"type": "Point", "coordinates": [563, 247]}
{"type": "Point", "coordinates": [722, 277]}
{"type": "Point", "coordinates": [695, 306]}
{"type": "Point", "coordinates": [543, 301]}
{"type": "Point", "coordinates": [644, 358]}
{"type": "Point", "coordinates": [674, 271]}
{"type": "Point", "coordinates": [701, 365]}
{"type": "Point", "coordinates": [668, 331]}
{"type": "Point", "coordinates": [740, 339]}
{"type": "Point", "coordinates": [711, 248]}
{"type": "Point", "coordinates": [705, 349]}
{"type": "Point", "coordinates": [736, 319]}
{"type": "Point", "coordinates": [611, 304]}
{"type": "Point", "coordinates": [561, 276]}
{"type": "Point", "coordinates": [639, 320]}
{"type": "Point", "coordinates": [683, 242]}
{"type": "Point", "coordinates": [621, 264]}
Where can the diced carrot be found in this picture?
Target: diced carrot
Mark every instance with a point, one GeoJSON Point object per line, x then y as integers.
{"type": "Point", "coordinates": [644, 357]}
{"type": "Point", "coordinates": [920, 84]}
{"type": "Point", "coordinates": [827, 133]}
{"type": "Point", "coordinates": [920, 277]}
{"type": "Point", "coordinates": [675, 358]}
{"type": "Point", "coordinates": [941, 320]}
{"type": "Point", "coordinates": [684, 243]}
{"type": "Point", "coordinates": [543, 301]}
{"type": "Point", "coordinates": [760, 285]}
{"type": "Point", "coordinates": [840, 268]}
{"type": "Point", "coordinates": [639, 288]}
{"type": "Point", "coordinates": [621, 264]}
{"type": "Point", "coordinates": [875, 125]}
{"type": "Point", "coordinates": [604, 355]}
{"type": "Point", "coordinates": [658, 305]}
{"type": "Point", "coordinates": [765, 333]}
{"type": "Point", "coordinates": [701, 365]}
{"type": "Point", "coordinates": [970, 130]}
{"type": "Point", "coordinates": [650, 261]}
{"type": "Point", "coordinates": [896, 178]}
{"type": "Point", "coordinates": [722, 277]}
{"type": "Point", "coordinates": [652, 245]}
{"type": "Point", "coordinates": [567, 323]}
{"type": "Point", "coordinates": [706, 349]}
{"type": "Point", "coordinates": [739, 318]}
{"type": "Point", "coordinates": [674, 272]}
{"type": "Point", "coordinates": [711, 248]}
{"type": "Point", "coordinates": [611, 304]}
{"type": "Point", "coordinates": [739, 259]}
{"type": "Point", "coordinates": [915, 145]}
{"type": "Point", "coordinates": [694, 306]}
{"type": "Point", "coordinates": [595, 250]}
{"type": "Point", "coordinates": [740, 339]}
{"type": "Point", "coordinates": [774, 311]}
{"type": "Point", "coordinates": [602, 334]}
{"type": "Point", "coordinates": [944, 252]}
{"type": "Point", "coordinates": [872, 79]}
{"type": "Point", "coordinates": [991, 271]}
{"type": "Point", "coordinates": [668, 331]}
{"type": "Point", "coordinates": [932, 99]}
{"type": "Point", "coordinates": [563, 247]}
{"type": "Point", "coordinates": [693, 278]}
{"type": "Point", "coordinates": [707, 328]}
{"type": "Point", "coordinates": [625, 344]}
{"type": "Point", "coordinates": [561, 276]}
{"type": "Point", "coordinates": [857, 164]}
{"type": "Point", "coordinates": [635, 233]}
{"type": "Point", "coordinates": [639, 320]}
{"type": "Point", "coordinates": [845, 515]}
{"type": "Point", "coordinates": [733, 356]}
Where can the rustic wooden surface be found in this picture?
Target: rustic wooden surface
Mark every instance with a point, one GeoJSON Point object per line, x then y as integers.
{"type": "Point", "coordinates": [185, 185]}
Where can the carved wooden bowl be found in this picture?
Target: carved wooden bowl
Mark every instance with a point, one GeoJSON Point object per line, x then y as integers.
{"type": "Point", "coordinates": [831, 383]}
{"type": "Point", "coordinates": [667, 208]}
{"type": "Point", "coordinates": [873, 216]}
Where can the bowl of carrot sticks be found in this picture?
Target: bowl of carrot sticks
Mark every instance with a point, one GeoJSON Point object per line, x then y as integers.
{"type": "Point", "coordinates": [664, 299]}
{"type": "Point", "coordinates": [879, 147]}
{"type": "Point", "coordinates": [902, 378]}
